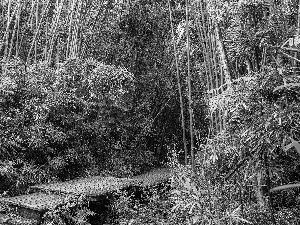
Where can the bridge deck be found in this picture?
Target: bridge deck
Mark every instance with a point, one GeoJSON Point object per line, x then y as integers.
{"type": "Point", "coordinates": [153, 177]}
{"type": "Point", "coordinates": [33, 205]}
{"type": "Point", "coordinates": [36, 201]}
{"type": "Point", "coordinates": [91, 187]}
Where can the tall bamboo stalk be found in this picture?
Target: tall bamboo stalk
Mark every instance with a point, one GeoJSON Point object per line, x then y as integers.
{"type": "Point", "coordinates": [207, 31]}
{"type": "Point", "coordinates": [179, 86]}
{"type": "Point", "coordinates": [217, 69]}
{"type": "Point", "coordinates": [202, 29]}
{"type": "Point", "coordinates": [46, 43]}
{"type": "Point", "coordinates": [189, 80]}
{"type": "Point", "coordinates": [268, 181]}
{"type": "Point", "coordinates": [72, 6]}
{"type": "Point", "coordinates": [6, 34]}
{"type": "Point", "coordinates": [222, 53]}
{"type": "Point", "coordinates": [18, 8]}
{"type": "Point", "coordinates": [18, 31]}
{"type": "Point", "coordinates": [59, 6]}
{"type": "Point", "coordinates": [297, 34]}
{"type": "Point", "coordinates": [38, 26]}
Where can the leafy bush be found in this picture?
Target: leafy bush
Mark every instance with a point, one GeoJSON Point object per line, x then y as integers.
{"type": "Point", "coordinates": [75, 212]}
{"type": "Point", "coordinates": [153, 209]}
{"type": "Point", "coordinates": [262, 118]}
{"type": "Point", "coordinates": [72, 121]}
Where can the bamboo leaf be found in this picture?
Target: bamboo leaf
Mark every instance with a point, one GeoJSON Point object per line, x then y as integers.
{"type": "Point", "coordinates": [195, 219]}
{"type": "Point", "coordinates": [241, 219]}
{"type": "Point", "coordinates": [287, 86]}
{"type": "Point", "coordinates": [193, 206]}
{"type": "Point", "coordinates": [283, 187]}
{"type": "Point", "coordinates": [293, 144]}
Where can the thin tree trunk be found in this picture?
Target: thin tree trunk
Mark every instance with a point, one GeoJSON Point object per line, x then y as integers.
{"type": "Point", "coordinates": [189, 80]}
{"type": "Point", "coordinates": [179, 87]}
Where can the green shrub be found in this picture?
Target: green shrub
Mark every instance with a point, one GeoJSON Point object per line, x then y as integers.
{"type": "Point", "coordinates": [67, 122]}
{"type": "Point", "coordinates": [74, 212]}
{"type": "Point", "coordinates": [153, 209]}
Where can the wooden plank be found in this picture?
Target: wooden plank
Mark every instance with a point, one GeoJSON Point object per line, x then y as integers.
{"type": "Point", "coordinates": [37, 201]}
{"type": "Point", "coordinates": [16, 220]}
{"type": "Point", "coordinates": [153, 177]}
{"type": "Point", "coordinates": [90, 187]}
{"type": "Point", "coordinates": [98, 185]}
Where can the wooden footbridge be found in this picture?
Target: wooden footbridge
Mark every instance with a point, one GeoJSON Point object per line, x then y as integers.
{"type": "Point", "coordinates": [28, 209]}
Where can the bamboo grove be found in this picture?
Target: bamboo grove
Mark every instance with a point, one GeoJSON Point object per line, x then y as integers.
{"type": "Point", "coordinates": [232, 63]}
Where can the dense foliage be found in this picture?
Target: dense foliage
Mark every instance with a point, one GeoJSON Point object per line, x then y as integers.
{"type": "Point", "coordinates": [103, 88]}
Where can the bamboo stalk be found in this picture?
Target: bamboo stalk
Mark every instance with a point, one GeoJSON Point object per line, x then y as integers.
{"type": "Point", "coordinates": [72, 6]}
{"type": "Point", "coordinates": [289, 56]}
{"type": "Point", "coordinates": [297, 34]}
{"type": "Point", "coordinates": [207, 41]}
{"type": "Point", "coordinates": [31, 13]}
{"type": "Point", "coordinates": [77, 28]}
{"type": "Point", "coordinates": [222, 54]}
{"type": "Point", "coordinates": [189, 80]}
{"type": "Point", "coordinates": [37, 29]}
{"type": "Point", "coordinates": [46, 42]}
{"type": "Point", "coordinates": [202, 32]}
{"type": "Point", "coordinates": [217, 69]}
{"type": "Point", "coordinates": [59, 6]}
{"type": "Point", "coordinates": [33, 43]}
{"type": "Point", "coordinates": [179, 85]}
{"type": "Point", "coordinates": [3, 15]}
{"type": "Point", "coordinates": [18, 8]}
{"type": "Point", "coordinates": [58, 45]}
{"type": "Point", "coordinates": [213, 55]}
{"type": "Point", "coordinates": [267, 171]}
{"type": "Point", "coordinates": [204, 57]}
{"type": "Point", "coordinates": [6, 34]}
{"type": "Point", "coordinates": [18, 31]}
